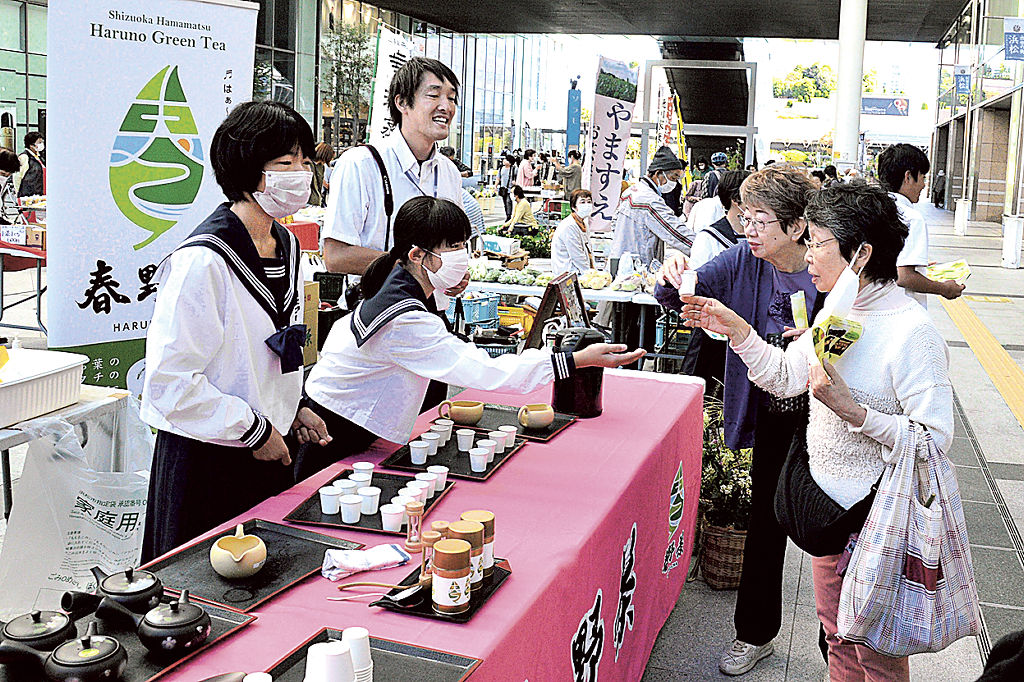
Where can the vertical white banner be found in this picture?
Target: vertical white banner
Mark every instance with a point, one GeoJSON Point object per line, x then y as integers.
{"type": "Point", "coordinates": [135, 91]}
{"type": "Point", "coordinates": [609, 136]}
{"type": "Point", "coordinates": [393, 50]}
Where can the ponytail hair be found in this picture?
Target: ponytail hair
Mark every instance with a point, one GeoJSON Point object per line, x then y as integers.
{"type": "Point", "coordinates": [426, 222]}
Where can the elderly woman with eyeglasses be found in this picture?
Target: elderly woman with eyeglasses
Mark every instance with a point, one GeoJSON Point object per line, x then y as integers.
{"type": "Point", "coordinates": [758, 278]}
{"type": "Point", "coordinates": [861, 410]}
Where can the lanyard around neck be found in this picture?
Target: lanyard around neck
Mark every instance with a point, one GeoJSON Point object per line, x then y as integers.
{"type": "Point", "coordinates": [416, 182]}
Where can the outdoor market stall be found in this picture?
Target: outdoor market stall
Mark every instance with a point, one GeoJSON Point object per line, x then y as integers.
{"type": "Point", "coordinates": [597, 527]}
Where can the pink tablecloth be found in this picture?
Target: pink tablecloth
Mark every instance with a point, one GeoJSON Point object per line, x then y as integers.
{"type": "Point", "coordinates": [565, 513]}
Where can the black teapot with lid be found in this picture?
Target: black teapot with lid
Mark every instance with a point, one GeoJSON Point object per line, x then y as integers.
{"type": "Point", "coordinates": [92, 658]}
{"type": "Point", "coordinates": [41, 630]}
{"type": "Point", "coordinates": [137, 589]}
{"type": "Point", "coordinates": [171, 629]}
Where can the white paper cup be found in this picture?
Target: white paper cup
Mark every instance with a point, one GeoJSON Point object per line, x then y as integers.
{"type": "Point", "coordinates": [433, 440]}
{"type": "Point", "coordinates": [329, 661]}
{"type": "Point", "coordinates": [401, 501]}
{"type": "Point", "coordinates": [688, 286]}
{"type": "Point", "coordinates": [260, 677]}
{"type": "Point", "coordinates": [500, 439]}
{"type": "Point", "coordinates": [448, 424]}
{"type": "Point", "coordinates": [478, 459]}
{"type": "Point", "coordinates": [351, 508]}
{"type": "Point", "coordinates": [442, 475]}
{"type": "Point", "coordinates": [429, 478]}
{"type": "Point", "coordinates": [346, 486]}
{"type": "Point", "coordinates": [359, 642]}
{"type": "Point", "coordinates": [364, 468]}
{"type": "Point", "coordinates": [392, 516]}
{"type": "Point", "coordinates": [465, 437]}
{"type": "Point", "coordinates": [419, 451]}
{"type": "Point", "coordinates": [422, 488]}
{"type": "Point", "coordinates": [371, 499]}
{"type": "Point", "coordinates": [488, 445]}
{"type": "Point", "coordinates": [329, 499]}
{"type": "Point", "coordinates": [362, 480]}
{"type": "Point", "coordinates": [444, 431]}
{"type": "Point", "coordinates": [511, 433]}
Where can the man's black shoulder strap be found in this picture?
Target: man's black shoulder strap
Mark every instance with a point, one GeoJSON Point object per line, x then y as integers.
{"type": "Point", "coordinates": [389, 197]}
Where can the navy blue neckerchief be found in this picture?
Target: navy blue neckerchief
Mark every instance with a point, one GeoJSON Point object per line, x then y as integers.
{"type": "Point", "coordinates": [401, 293]}
{"type": "Point", "coordinates": [224, 233]}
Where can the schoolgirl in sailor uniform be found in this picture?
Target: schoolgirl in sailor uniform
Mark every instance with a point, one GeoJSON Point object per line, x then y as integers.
{"type": "Point", "coordinates": [224, 348]}
{"type": "Point", "coordinates": [376, 364]}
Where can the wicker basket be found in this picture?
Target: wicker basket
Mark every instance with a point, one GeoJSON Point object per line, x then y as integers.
{"type": "Point", "coordinates": [722, 557]}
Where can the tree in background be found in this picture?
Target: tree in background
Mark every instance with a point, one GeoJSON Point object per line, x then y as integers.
{"type": "Point", "coordinates": [805, 82]}
{"type": "Point", "coordinates": [870, 80]}
{"type": "Point", "coordinates": [348, 53]}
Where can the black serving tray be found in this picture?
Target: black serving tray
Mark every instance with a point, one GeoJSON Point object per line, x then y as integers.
{"type": "Point", "coordinates": [457, 462]}
{"type": "Point", "coordinates": [293, 554]}
{"type": "Point", "coordinates": [508, 415]}
{"type": "Point", "coordinates": [392, 661]}
{"type": "Point", "coordinates": [424, 608]}
{"type": "Point", "coordinates": [142, 665]}
{"type": "Point", "coordinates": [309, 511]}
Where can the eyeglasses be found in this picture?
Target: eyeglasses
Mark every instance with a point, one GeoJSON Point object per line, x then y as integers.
{"type": "Point", "coordinates": [759, 225]}
{"type": "Point", "coordinates": [817, 245]}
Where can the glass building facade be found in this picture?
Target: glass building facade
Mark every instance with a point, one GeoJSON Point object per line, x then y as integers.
{"type": "Point", "coordinates": [22, 70]}
{"type": "Point", "coordinates": [978, 138]}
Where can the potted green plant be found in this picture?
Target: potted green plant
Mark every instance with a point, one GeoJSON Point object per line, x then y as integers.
{"type": "Point", "coordinates": [724, 503]}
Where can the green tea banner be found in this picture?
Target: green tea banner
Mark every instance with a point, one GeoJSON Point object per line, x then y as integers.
{"type": "Point", "coordinates": [135, 91]}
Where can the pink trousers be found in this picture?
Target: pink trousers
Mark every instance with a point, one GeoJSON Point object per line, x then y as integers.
{"type": "Point", "coordinates": [849, 662]}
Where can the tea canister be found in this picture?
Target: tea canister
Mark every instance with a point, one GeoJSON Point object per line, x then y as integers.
{"type": "Point", "coordinates": [451, 579]}
{"type": "Point", "coordinates": [486, 518]}
{"type": "Point", "coordinates": [473, 533]}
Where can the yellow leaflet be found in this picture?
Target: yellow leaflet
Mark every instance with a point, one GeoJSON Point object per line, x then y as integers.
{"type": "Point", "coordinates": [834, 336]}
{"type": "Point", "coordinates": [957, 270]}
{"type": "Point", "coordinates": [798, 301]}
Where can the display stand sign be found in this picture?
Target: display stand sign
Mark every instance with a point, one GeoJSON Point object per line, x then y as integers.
{"type": "Point", "coordinates": [393, 50]}
{"type": "Point", "coordinates": [962, 79]}
{"type": "Point", "coordinates": [1013, 38]}
{"type": "Point", "coordinates": [614, 99]}
{"type": "Point", "coordinates": [135, 91]}
{"type": "Point", "coordinates": [562, 297]}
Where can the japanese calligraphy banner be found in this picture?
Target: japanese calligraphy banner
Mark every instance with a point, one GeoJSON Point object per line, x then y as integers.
{"type": "Point", "coordinates": [1013, 38]}
{"type": "Point", "coordinates": [610, 126]}
{"type": "Point", "coordinates": [962, 78]}
{"type": "Point", "coordinates": [129, 173]}
{"type": "Point", "coordinates": [393, 50]}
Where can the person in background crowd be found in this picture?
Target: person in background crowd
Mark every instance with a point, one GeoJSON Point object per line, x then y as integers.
{"type": "Point", "coordinates": [318, 190]}
{"type": "Point", "coordinates": [902, 169]}
{"type": "Point", "coordinates": [939, 189]}
{"type": "Point", "coordinates": [570, 246]}
{"type": "Point", "coordinates": [751, 167]}
{"type": "Point", "coordinates": [475, 214]}
{"type": "Point", "coordinates": [898, 370]}
{"type": "Point", "coordinates": [31, 179]}
{"type": "Point", "coordinates": [818, 178]}
{"type": "Point", "coordinates": [506, 175]}
{"type": "Point", "coordinates": [522, 212]}
{"type": "Point", "coordinates": [9, 167]}
{"type": "Point", "coordinates": [711, 179]}
{"type": "Point", "coordinates": [831, 176]}
{"type": "Point", "coordinates": [464, 170]}
{"type": "Point", "coordinates": [375, 364]}
{"type": "Point", "coordinates": [705, 212]}
{"type": "Point", "coordinates": [527, 173]}
{"type": "Point", "coordinates": [546, 169]}
{"type": "Point", "coordinates": [571, 176]}
{"type": "Point", "coordinates": [757, 279]}
{"type": "Point", "coordinates": [700, 169]}
{"type": "Point", "coordinates": [224, 348]}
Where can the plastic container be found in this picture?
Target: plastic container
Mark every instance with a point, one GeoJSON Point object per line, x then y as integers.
{"type": "Point", "coordinates": [510, 316]}
{"type": "Point", "coordinates": [34, 382]}
{"type": "Point", "coordinates": [481, 307]}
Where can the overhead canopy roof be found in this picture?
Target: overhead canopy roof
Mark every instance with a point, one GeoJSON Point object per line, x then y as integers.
{"type": "Point", "coordinates": [899, 20]}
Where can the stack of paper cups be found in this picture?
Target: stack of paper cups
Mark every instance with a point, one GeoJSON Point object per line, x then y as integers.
{"type": "Point", "coordinates": [358, 640]}
{"type": "Point", "coordinates": [330, 661]}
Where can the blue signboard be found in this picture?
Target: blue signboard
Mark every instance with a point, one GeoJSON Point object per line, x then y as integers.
{"type": "Point", "coordinates": [1013, 38]}
{"type": "Point", "coordinates": [885, 106]}
{"type": "Point", "coordinates": [572, 124]}
{"type": "Point", "coordinates": [962, 79]}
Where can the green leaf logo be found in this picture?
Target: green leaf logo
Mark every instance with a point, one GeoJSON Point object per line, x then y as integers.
{"type": "Point", "coordinates": [675, 501]}
{"type": "Point", "coordinates": [156, 165]}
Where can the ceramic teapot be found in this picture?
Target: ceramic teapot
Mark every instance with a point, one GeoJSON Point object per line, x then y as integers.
{"type": "Point", "coordinates": [239, 555]}
{"type": "Point", "coordinates": [172, 629]}
{"type": "Point", "coordinates": [93, 658]}
{"type": "Point", "coordinates": [536, 416]}
{"type": "Point", "coordinates": [465, 412]}
{"type": "Point", "coordinates": [41, 630]}
{"type": "Point", "coordinates": [136, 589]}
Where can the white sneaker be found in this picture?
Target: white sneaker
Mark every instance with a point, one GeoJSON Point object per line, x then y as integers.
{"type": "Point", "coordinates": [742, 657]}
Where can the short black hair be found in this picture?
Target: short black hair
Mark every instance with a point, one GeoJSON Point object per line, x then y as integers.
{"type": "Point", "coordinates": [858, 214]}
{"type": "Point", "coordinates": [517, 191]}
{"type": "Point", "coordinates": [543, 156]}
{"type": "Point", "coordinates": [32, 137]}
{"type": "Point", "coordinates": [447, 151]}
{"type": "Point", "coordinates": [253, 134]}
{"type": "Point", "coordinates": [409, 77]}
{"type": "Point", "coordinates": [528, 153]}
{"type": "Point", "coordinates": [729, 187]}
{"type": "Point", "coordinates": [573, 154]}
{"type": "Point", "coordinates": [896, 160]}
{"type": "Point", "coordinates": [818, 174]}
{"type": "Point", "coordinates": [703, 160]}
{"type": "Point", "coordinates": [830, 172]}
{"type": "Point", "coordinates": [578, 194]}
{"type": "Point", "coordinates": [9, 161]}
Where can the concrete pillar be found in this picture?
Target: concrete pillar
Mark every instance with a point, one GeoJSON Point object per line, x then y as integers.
{"type": "Point", "coordinates": [853, 20]}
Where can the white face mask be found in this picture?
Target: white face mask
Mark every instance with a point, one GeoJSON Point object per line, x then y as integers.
{"type": "Point", "coordinates": [584, 210]}
{"type": "Point", "coordinates": [667, 187]}
{"type": "Point", "coordinates": [286, 192]}
{"type": "Point", "coordinates": [844, 292]}
{"type": "Point", "coordinates": [40, 147]}
{"type": "Point", "coordinates": [454, 265]}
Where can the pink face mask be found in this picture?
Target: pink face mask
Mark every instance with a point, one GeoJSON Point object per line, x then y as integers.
{"type": "Point", "coordinates": [285, 193]}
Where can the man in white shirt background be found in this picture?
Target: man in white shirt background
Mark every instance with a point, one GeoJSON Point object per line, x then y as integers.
{"type": "Point", "coordinates": [424, 100]}
{"type": "Point", "coordinates": [902, 169]}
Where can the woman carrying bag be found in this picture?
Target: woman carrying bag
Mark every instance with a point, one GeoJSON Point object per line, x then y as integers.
{"type": "Point", "coordinates": [888, 390]}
